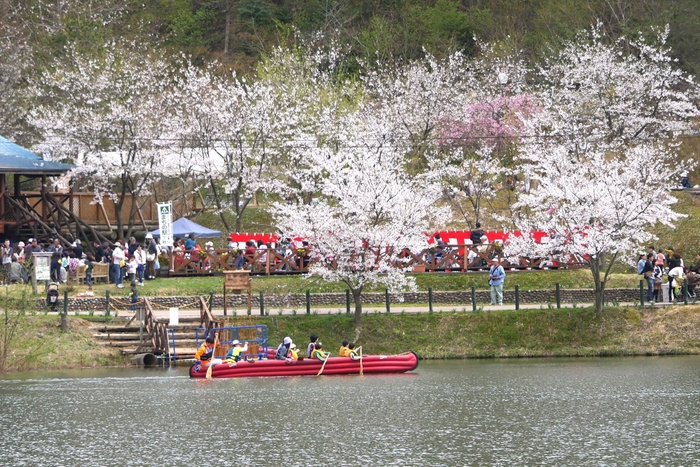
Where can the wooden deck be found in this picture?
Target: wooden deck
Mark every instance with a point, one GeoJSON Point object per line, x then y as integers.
{"type": "Point", "coordinates": [454, 258]}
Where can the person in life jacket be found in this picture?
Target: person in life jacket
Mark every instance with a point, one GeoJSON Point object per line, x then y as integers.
{"type": "Point", "coordinates": [344, 351]}
{"type": "Point", "coordinates": [319, 353]}
{"type": "Point", "coordinates": [293, 352]}
{"type": "Point", "coordinates": [354, 352]}
{"type": "Point", "coordinates": [310, 348]}
{"type": "Point", "coordinates": [283, 349]}
{"type": "Point", "coordinates": [236, 353]}
{"type": "Point", "coordinates": [205, 353]}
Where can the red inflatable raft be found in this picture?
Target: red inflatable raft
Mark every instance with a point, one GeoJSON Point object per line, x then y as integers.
{"type": "Point", "coordinates": [308, 367]}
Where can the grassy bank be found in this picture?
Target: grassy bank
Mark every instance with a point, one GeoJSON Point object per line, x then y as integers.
{"type": "Point", "coordinates": [38, 343]}
{"type": "Point", "coordinates": [532, 333]}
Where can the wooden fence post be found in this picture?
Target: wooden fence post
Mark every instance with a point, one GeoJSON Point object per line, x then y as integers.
{"type": "Point", "coordinates": [107, 297]}
{"type": "Point", "coordinates": [64, 324]}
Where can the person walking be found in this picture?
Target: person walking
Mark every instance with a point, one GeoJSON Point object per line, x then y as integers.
{"type": "Point", "coordinates": [496, 278]}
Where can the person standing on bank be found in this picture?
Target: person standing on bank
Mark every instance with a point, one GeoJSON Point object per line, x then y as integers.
{"type": "Point", "coordinates": [648, 273]}
{"type": "Point", "coordinates": [496, 277]}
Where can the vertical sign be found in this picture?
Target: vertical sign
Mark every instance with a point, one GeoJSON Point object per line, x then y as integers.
{"type": "Point", "coordinates": [165, 223]}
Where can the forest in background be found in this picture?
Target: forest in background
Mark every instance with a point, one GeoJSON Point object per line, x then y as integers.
{"type": "Point", "coordinates": [238, 33]}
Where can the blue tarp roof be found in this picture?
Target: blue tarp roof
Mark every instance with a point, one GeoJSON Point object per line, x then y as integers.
{"type": "Point", "coordinates": [183, 227]}
{"type": "Point", "coordinates": [15, 159]}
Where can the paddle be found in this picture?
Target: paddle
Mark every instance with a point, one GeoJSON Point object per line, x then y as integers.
{"type": "Point", "coordinates": [213, 351]}
{"type": "Point", "coordinates": [324, 364]}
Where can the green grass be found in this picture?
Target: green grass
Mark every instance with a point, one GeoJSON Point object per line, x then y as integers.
{"type": "Point", "coordinates": [40, 344]}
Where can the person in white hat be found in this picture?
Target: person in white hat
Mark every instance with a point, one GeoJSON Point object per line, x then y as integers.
{"type": "Point", "coordinates": [236, 353]}
{"type": "Point", "coordinates": [115, 267]}
{"type": "Point", "coordinates": [20, 252]}
{"type": "Point", "coordinates": [283, 349]}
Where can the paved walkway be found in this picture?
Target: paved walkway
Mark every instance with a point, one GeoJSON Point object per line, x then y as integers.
{"type": "Point", "coordinates": [395, 309]}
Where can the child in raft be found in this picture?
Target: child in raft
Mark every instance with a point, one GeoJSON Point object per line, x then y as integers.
{"type": "Point", "coordinates": [236, 353]}
{"type": "Point", "coordinates": [293, 353]}
{"type": "Point", "coordinates": [312, 342]}
{"type": "Point", "coordinates": [205, 354]}
{"type": "Point", "coordinates": [319, 353]}
{"type": "Point", "coordinates": [344, 351]}
{"type": "Point", "coordinates": [354, 353]}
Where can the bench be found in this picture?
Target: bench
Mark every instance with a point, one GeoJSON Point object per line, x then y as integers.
{"type": "Point", "coordinates": [99, 271]}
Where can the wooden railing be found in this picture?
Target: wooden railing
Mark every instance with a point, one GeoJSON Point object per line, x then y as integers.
{"type": "Point", "coordinates": [457, 258]}
{"type": "Point", "coordinates": [206, 317]}
{"type": "Point", "coordinates": [157, 332]}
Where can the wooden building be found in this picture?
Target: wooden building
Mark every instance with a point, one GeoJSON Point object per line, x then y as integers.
{"type": "Point", "coordinates": [30, 206]}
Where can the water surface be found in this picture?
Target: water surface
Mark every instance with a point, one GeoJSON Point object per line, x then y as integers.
{"type": "Point", "coordinates": [602, 412]}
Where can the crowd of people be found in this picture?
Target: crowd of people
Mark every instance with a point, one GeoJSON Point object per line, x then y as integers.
{"type": "Point", "coordinates": [653, 266]}
{"type": "Point", "coordinates": [130, 261]}
{"type": "Point", "coordinates": [286, 351]}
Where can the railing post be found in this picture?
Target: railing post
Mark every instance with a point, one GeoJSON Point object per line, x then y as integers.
{"type": "Point", "coordinates": [262, 304]}
{"type": "Point", "coordinates": [557, 294]}
{"type": "Point", "coordinates": [430, 299]}
{"type": "Point", "coordinates": [685, 290]}
{"type": "Point", "coordinates": [473, 298]}
{"type": "Point", "coordinates": [347, 301]}
{"type": "Point", "coordinates": [64, 324]}
{"type": "Point", "coordinates": [641, 292]}
{"type": "Point", "coordinates": [107, 297]}
{"type": "Point", "coordinates": [388, 301]}
{"type": "Point", "coordinates": [517, 297]}
{"type": "Point", "coordinates": [308, 302]}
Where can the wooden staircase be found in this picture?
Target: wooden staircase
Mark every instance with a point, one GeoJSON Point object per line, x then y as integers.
{"type": "Point", "coordinates": [156, 335]}
{"type": "Point", "coordinates": [131, 342]}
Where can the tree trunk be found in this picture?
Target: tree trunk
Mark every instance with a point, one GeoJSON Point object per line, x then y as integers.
{"type": "Point", "coordinates": [599, 285]}
{"type": "Point", "coordinates": [357, 297]}
{"type": "Point", "coordinates": [227, 33]}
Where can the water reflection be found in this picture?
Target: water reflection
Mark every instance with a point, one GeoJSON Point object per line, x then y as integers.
{"type": "Point", "coordinates": [634, 411]}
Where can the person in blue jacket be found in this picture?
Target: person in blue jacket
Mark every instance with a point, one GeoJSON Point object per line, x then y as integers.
{"type": "Point", "coordinates": [496, 277]}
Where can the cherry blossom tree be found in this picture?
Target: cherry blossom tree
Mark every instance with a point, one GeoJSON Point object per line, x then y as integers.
{"type": "Point", "coordinates": [15, 61]}
{"type": "Point", "coordinates": [107, 115]}
{"type": "Point", "coordinates": [369, 210]}
{"type": "Point", "coordinates": [600, 153]}
{"type": "Point", "coordinates": [420, 96]}
{"type": "Point", "coordinates": [474, 161]}
{"type": "Point", "coordinates": [598, 210]}
{"type": "Point", "coordinates": [227, 127]}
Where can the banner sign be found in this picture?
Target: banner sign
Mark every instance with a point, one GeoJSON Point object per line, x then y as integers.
{"type": "Point", "coordinates": [165, 223]}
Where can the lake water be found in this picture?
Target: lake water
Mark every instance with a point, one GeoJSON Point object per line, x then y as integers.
{"type": "Point", "coordinates": [577, 412]}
